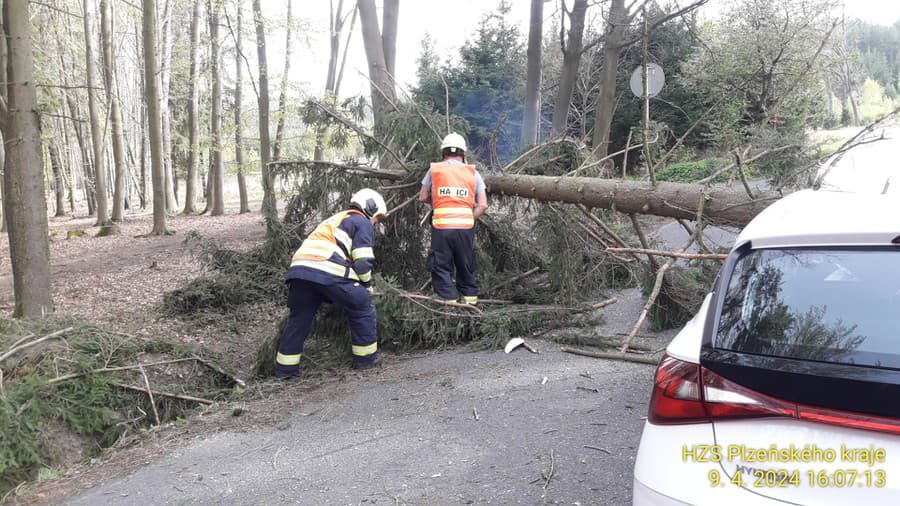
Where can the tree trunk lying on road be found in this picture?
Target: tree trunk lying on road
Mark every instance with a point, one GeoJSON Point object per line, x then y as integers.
{"type": "Point", "coordinates": [725, 206]}
{"type": "Point", "coordinates": [672, 200]}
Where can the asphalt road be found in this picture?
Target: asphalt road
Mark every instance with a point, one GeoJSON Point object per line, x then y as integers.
{"type": "Point", "coordinates": [455, 427]}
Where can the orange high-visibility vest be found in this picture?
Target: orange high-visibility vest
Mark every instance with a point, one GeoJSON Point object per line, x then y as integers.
{"type": "Point", "coordinates": [329, 249]}
{"type": "Point", "coordinates": [453, 195]}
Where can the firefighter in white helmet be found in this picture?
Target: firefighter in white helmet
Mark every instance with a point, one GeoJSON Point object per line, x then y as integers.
{"type": "Point", "coordinates": [457, 195]}
{"type": "Point", "coordinates": [334, 264]}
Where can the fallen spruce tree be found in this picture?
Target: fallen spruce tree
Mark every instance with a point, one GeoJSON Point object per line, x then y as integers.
{"type": "Point", "coordinates": [717, 203]}
{"type": "Point", "coordinates": [542, 246]}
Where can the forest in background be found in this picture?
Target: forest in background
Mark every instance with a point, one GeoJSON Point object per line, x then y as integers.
{"type": "Point", "coordinates": [761, 77]}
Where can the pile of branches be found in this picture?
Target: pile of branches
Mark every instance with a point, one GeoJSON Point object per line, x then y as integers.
{"type": "Point", "coordinates": [61, 377]}
{"type": "Point", "coordinates": [409, 321]}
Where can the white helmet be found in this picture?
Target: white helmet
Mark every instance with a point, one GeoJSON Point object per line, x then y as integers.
{"type": "Point", "coordinates": [369, 202]}
{"type": "Point", "coordinates": [454, 141]}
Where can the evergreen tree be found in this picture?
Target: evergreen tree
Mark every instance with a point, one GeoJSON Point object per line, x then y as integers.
{"type": "Point", "coordinates": [486, 85]}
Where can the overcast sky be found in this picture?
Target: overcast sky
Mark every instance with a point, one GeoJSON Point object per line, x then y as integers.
{"type": "Point", "coordinates": [450, 23]}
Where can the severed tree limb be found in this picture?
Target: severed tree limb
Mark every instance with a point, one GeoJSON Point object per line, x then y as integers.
{"type": "Point", "coordinates": [21, 346]}
{"type": "Point", "coordinates": [413, 296]}
{"type": "Point", "coordinates": [22, 340]}
{"type": "Point", "coordinates": [660, 277]}
{"type": "Point", "coordinates": [165, 394]}
{"type": "Point", "coordinates": [612, 356]}
{"type": "Point", "coordinates": [73, 375]}
{"type": "Point", "coordinates": [607, 302]}
{"type": "Point", "coordinates": [219, 370]}
{"type": "Point", "coordinates": [150, 394]}
{"type": "Point", "coordinates": [672, 254]}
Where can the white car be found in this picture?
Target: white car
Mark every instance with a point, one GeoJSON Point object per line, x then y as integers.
{"type": "Point", "coordinates": [785, 387]}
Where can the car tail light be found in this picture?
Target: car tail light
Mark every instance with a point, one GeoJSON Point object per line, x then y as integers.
{"type": "Point", "coordinates": [679, 398]}
{"type": "Point", "coordinates": [685, 393]}
{"type": "Point", "coordinates": [845, 419]}
{"type": "Point", "coordinates": [676, 395]}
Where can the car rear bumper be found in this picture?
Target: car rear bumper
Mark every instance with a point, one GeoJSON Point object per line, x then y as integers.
{"type": "Point", "coordinates": [646, 496]}
{"type": "Point", "coordinates": [664, 474]}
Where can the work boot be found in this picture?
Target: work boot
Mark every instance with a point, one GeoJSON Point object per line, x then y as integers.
{"type": "Point", "coordinates": [287, 376]}
{"type": "Point", "coordinates": [374, 361]}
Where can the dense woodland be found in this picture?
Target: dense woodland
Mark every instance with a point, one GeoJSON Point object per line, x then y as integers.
{"type": "Point", "coordinates": [122, 106]}
{"type": "Point", "coordinates": [115, 107]}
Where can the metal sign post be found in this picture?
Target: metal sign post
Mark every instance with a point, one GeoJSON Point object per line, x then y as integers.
{"type": "Point", "coordinates": [647, 81]}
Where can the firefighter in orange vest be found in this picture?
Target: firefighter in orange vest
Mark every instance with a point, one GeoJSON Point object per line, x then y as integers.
{"type": "Point", "coordinates": [457, 196]}
{"type": "Point", "coordinates": [334, 264]}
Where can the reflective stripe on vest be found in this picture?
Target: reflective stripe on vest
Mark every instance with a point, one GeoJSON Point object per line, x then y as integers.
{"type": "Point", "coordinates": [453, 195]}
{"type": "Point", "coordinates": [327, 249]}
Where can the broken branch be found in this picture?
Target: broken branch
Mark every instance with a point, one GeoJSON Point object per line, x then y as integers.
{"type": "Point", "coordinates": [74, 375]}
{"type": "Point", "coordinates": [165, 394]}
{"type": "Point", "coordinates": [150, 394]}
{"type": "Point", "coordinates": [611, 356]}
{"type": "Point", "coordinates": [20, 347]}
{"type": "Point", "coordinates": [672, 254]}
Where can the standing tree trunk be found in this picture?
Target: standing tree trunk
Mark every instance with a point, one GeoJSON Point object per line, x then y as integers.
{"type": "Point", "coordinates": [144, 134]}
{"type": "Point", "coordinates": [391, 18]}
{"type": "Point", "coordinates": [75, 113]}
{"type": "Point", "coordinates": [26, 208]}
{"type": "Point", "coordinates": [382, 88]}
{"type": "Point", "coordinates": [59, 186]}
{"type": "Point", "coordinates": [269, 205]}
{"type": "Point", "coordinates": [571, 61]}
{"type": "Point", "coordinates": [332, 82]}
{"type": "Point", "coordinates": [606, 100]}
{"type": "Point", "coordinates": [152, 85]}
{"type": "Point", "coordinates": [115, 114]}
{"type": "Point", "coordinates": [190, 193]}
{"type": "Point", "coordinates": [282, 98]}
{"type": "Point", "coordinates": [532, 118]}
{"type": "Point", "coordinates": [100, 185]}
{"type": "Point", "coordinates": [238, 120]}
{"type": "Point", "coordinates": [217, 173]}
{"type": "Point", "coordinates": [3, 227]}
{"type": "Point", "coordinates": [165, 73]}
{"type": "Point", "coordinates": [4, 116]}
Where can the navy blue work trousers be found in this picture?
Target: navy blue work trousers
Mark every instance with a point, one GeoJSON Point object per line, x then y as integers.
{"type": "Point", "coordinates": [453, 249]}
{"type": "Point", "coordinates": [304, 299]}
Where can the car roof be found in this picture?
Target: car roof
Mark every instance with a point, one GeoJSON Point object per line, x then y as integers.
{"type": "Point", "coordinates": [825, 218]}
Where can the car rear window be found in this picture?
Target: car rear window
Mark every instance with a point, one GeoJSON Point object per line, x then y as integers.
{"type": "Point", "coordinates": [827, 305]}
